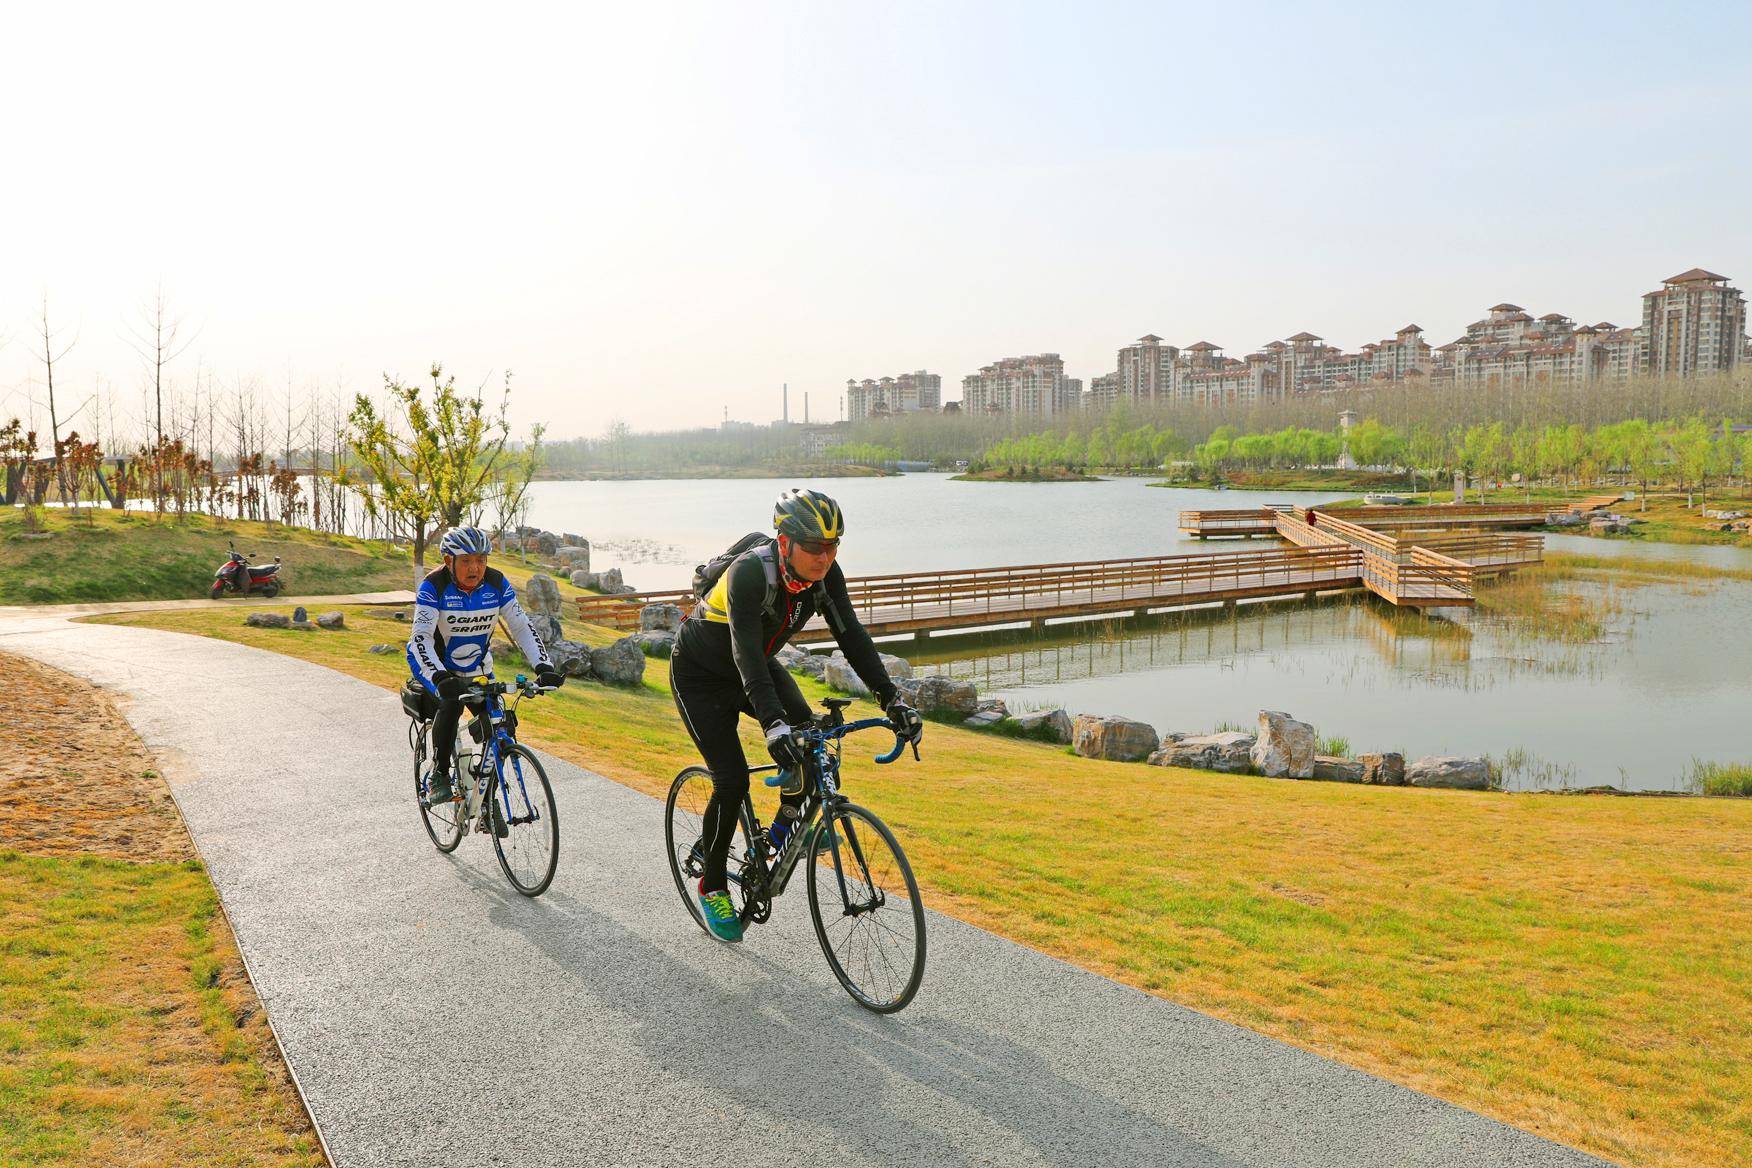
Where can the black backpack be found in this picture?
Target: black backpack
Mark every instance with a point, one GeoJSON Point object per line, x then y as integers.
{"type": "Point", "coordinates": [708, 574]}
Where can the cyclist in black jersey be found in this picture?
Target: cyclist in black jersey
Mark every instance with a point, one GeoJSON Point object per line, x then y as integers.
{"type": "Point", "coordinates": [723, 666]}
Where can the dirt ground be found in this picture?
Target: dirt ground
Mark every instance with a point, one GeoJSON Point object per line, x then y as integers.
{"type": "Point", "coordinates": [76, 780]}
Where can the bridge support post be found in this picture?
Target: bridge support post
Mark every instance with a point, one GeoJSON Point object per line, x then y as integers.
{"type": "Point", "coordinates": [1037, 624]}
{"type": "Point", "coordinates": [1229, 606]}
{"type": "Point", "coordinates": [1311, 594]}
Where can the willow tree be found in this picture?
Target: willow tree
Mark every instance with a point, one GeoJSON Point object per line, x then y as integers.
{"type": "Point", "coordinates": [433, 464]}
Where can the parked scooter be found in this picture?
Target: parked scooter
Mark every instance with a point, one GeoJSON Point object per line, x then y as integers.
{"type": "Point", "coordinates": [242, 578]}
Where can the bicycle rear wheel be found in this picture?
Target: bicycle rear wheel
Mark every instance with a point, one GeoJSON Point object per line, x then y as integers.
{"type": "Point", "coordinates": [521, 800]}
{"type": "Point", "coordinates": [866, 908]}
{"type": "Point", "coordinates": [684, 820]}
{"type": "Point", "coordinates": [443, 822]}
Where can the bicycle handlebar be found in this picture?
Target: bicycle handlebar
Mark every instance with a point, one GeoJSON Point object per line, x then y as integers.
{"type": "Point", "coordinates": [900, 742]}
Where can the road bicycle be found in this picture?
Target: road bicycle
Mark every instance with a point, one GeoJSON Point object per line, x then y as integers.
{"type": "Point", "coordinates": [500, 786]}
{"type": "Point", "coordinates": [862, 895]}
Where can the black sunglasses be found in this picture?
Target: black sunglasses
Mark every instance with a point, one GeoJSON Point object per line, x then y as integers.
{"type": "Point", "coordinates": [816, 547]}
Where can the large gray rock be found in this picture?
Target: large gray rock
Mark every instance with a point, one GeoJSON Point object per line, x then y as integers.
{"type": "Point", "coordinates": [655, 642]}
{"type": "Point", "coordinates": [547, 628]}
{"type": "Point", "coordinates": [268, 620]}
{"type": "Point", "coordinates": [574, 558]}
{"type": "Point", "coordinates": [660, 616]}
{"type": "Point", "coordinates": [1111, 737]}
{"type": "Point", "coordinates": [570, 658]}
{"type": "Point", "coordinates": [1229, 753]}
{"type": "Point", "coordinates": [547, 543]}
{"type": "Point", "coordinates": [567, 539]}
{"type": "Point", "coordinates": [610, 581]}
{"type": "Point", "coordinates": [1330, 768]}
{"type": "Point", "coordinates": [383, 649]}
{"type": "Point", "coordinates": [790, 656]}
{"type": "Point", "coordinates": [940, 697]}
{"type": "Point", "coordinates": [1285, 749]}
{"type": "Point", "coordinates": [1449, 770]}
{"type": "Point", "coordinates": [1386, 769]}
{"type": "Point", "coordinates": [622, 663]}
{"type": "Point", "coordinates": [584, 579]}
{"type": "Point", "coordinates": [839, 674]}
{"type": "Point", "coordinates": [1052, 725]}
{"type": "Point", "coordinates": [331, 620]}
{"type": "Point", "coordinates": [988, 713]}
{"type": "Point", "coordinates": [542, 596]}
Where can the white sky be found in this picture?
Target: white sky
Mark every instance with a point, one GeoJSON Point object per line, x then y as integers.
{"type": "Point", "coordinates": [658, 211]}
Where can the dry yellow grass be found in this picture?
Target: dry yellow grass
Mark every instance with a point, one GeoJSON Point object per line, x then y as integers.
{"type": "Point", "coordinates": [1574, 966]}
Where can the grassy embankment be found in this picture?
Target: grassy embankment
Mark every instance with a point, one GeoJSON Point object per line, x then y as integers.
{"type": "Point", "coordinates": [129, 1032]}
{"type": "Point", "coordinates": [1662, 517]}
{"type": "Point", "coordinates": [1310, 479]}
{"type": "Point", "coordinates": [1575, 967]}
{"type": "Point", "coordinates": [121, 555]}
{"type": "Point", "coordinates": [1011, 474]}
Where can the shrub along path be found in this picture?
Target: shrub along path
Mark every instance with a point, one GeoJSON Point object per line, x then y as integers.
{"type": "Point", "coordinates": [598, 1024]}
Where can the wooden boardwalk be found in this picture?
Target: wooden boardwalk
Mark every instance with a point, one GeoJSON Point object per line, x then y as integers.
{"type": "Point", "coordinates": [919, 602]}
{"type": "Point", "coordinates": [1436, 562]}
{"type": "Point", "coordinates": [1440, 516]}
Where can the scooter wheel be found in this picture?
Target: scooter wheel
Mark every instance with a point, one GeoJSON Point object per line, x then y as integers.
{"type": "Point", "coordinates": [216, 591]}
{"type": "Point", "coordinates": [272, 590]}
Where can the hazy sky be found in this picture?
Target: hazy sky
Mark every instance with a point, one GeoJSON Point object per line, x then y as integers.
{"type": "Point", "coordinates": [658, 211]}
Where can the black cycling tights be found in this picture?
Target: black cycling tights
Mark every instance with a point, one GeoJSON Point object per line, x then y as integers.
{"type": "Point", "coordinates": [444, 724]}
{"type": "Point", "coordinates": [709, 709]}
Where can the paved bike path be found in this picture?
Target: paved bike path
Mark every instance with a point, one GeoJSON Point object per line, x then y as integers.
{"type": "Point", "coordinates": [433, 1016]}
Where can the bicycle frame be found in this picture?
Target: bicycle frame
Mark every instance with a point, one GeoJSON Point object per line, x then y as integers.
{"type": "Point", "coordinates": [483, 699]}
{"type": "Point", "coordinates": [822, 799]}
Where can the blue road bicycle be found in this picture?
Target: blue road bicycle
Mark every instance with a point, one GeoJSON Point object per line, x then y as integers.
{"type": "Point", "coordinates": [862, 895]}
{"type": "Point", "coordinates": [500, 786]}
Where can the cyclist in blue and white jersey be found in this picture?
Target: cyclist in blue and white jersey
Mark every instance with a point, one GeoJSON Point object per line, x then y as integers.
{"type": "Point", "coordinates": [454, 614]}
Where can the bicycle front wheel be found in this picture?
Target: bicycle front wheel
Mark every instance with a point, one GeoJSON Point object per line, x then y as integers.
{"type": "Point", "coordinates": [866, 908]}
{"type": "Point", "coordinates": [525, 822]}
{"type": "Point", "coordinates": [443, 822]}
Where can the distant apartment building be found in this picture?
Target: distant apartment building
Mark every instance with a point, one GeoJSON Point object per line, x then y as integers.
{"type": "Point", "coordinates": [1103, 391]}
{"type": "Point", "coordinates": [1030, 386]}
{"type": "Point", "coordinates": [1695, 323]}
{"type": "Point", "coordinates": [816, 439]}
{"type": "Point", "coordinates": [880, 397]}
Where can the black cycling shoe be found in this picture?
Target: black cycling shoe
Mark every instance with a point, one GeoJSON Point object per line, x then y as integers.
{"type": "Point", "coordinates": [438, 788]}
{"type": "Point", "coordinates": [491, 815]}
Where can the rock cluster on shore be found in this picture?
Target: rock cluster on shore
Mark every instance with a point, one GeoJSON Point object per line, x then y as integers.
{"type": "Point", "coordinates": [1281, 747]}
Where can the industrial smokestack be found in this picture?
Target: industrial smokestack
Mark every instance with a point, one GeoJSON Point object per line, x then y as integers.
{"type": "Point", "coordinates": [806, 407]}
{"type": "Point", "coordinates": [785, 416]}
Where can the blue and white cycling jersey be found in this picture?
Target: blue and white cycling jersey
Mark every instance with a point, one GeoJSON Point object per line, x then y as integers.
{"type": "Point", "coordinates": [453, 629]}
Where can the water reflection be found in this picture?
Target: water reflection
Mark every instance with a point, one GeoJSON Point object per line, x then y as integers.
{"type": "Point", "coordinates": [1657, 679]}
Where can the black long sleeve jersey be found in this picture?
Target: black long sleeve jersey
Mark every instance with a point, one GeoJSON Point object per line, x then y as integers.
{"type": "Point", "coordinates": [745, 619]}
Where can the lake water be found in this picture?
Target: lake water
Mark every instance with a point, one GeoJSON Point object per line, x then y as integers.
{"type": "Point", "coordinates": [1664, 682]}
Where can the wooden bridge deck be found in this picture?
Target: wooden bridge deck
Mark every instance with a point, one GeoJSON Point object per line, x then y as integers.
{"type": "Point", "coordinates": [1034, 593]}
{"type": "Point", "coordinates": [1263, 520]}
{"type": "Point", "coordinates": [1435, 563]}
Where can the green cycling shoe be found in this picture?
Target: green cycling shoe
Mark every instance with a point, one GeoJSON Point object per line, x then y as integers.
{"type": "Point", "coordinates": [720, 915]}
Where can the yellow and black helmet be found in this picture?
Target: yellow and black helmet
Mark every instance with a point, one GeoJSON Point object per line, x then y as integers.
{"type": "Point", "coordinates": [805, 514]}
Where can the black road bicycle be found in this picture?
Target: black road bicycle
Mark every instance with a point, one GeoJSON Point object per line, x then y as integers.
{"type": "Point", "coordinates": [862, 895]}
{"type": "Point", "coordinates": [500, 789]}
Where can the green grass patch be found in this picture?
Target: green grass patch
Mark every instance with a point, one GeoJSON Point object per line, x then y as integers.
{"type": "Point", "coordinates": [121, 1043]}
{"type": "Point", "coordinates": [121, 555]}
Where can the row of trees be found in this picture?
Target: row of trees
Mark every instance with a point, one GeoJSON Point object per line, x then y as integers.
{"type": "Point", "coordinates": [1688, 453]}
{"type": "Point", "coordinates": [1117, 443]}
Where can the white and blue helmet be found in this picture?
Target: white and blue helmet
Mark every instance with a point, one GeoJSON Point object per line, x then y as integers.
{"type": "Point", "coordinates": [465, 541]}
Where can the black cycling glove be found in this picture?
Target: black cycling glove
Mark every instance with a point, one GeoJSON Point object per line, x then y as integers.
{"type": "Point", "coordinates": [449, 685]}
{"type": "Point", "coordinates": [786, 746]}
{"type": "Point", "coordinates": [548, 677]}
{"type": "Point", "coordinates": [907, 722]}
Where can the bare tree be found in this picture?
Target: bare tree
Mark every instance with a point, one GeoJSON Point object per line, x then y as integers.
{"type": "Point", "coordinates": [49, 357]}
{"type": "Point", "coordinates": [157, 338]}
